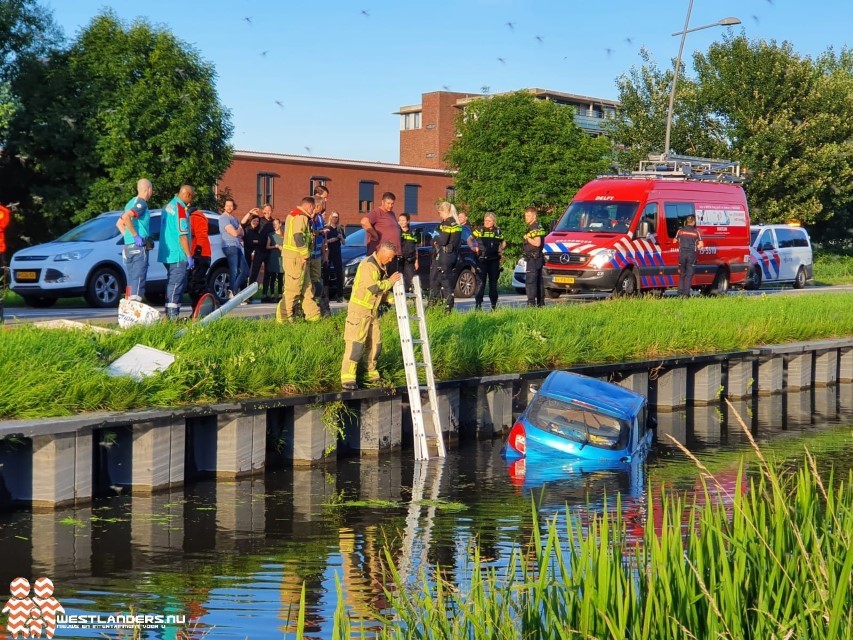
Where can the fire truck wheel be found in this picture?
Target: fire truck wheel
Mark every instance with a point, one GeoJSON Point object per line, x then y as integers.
{"type": "Point", "coordinates": [626, 285]}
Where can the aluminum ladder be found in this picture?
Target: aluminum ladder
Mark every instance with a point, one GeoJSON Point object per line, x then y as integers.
{"type": "Point", "coordinates": [426, 423]}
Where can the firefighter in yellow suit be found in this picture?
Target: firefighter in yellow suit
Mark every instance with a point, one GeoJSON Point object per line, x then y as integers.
{"type": "Point", "coordinates": [372, 285]}
{"type": "Point", "coordinates": [295, 250]}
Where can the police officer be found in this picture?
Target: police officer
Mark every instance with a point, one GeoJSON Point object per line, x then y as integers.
{"type": "Point", "coordinates": [689, 242]}
{"type": "Point", "coordinates": [445, 252]}
{"type": "Point", "coordinates": [489, 248]}
{"type": "Point", "coordinates": [534, 240]}
{"type": "Point", "coordinates": [409, 247]}
{"type": "Point", "coordinates": [371, 287]}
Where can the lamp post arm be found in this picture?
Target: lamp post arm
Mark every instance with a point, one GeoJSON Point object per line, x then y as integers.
{"type": "Point", "coordinates": [675, 81]}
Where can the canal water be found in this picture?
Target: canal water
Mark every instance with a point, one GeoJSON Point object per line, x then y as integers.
{"type": "Point", "coordinates": [232, 557]}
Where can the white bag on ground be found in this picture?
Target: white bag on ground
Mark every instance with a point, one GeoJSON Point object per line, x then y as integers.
{"type": "Point", "coordinates": [133, 312]}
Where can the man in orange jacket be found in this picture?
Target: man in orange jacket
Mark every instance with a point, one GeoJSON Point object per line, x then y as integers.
{"type": "Point", "coordinates": [5, 218]}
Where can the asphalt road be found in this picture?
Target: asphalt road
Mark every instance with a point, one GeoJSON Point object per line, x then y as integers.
{"type": "Point", "coordinates": [82, 313]}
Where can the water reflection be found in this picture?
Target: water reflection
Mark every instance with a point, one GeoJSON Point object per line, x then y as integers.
{"type": "Point", "coordinates": [235, 555]}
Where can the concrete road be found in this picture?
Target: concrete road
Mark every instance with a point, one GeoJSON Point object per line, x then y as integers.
{"type": "Point", "coordinates": [83, 313]}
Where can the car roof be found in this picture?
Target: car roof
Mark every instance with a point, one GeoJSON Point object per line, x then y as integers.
{"type": "Point", "coordinates": [776, 226]}
{"type": "Point", "coordinates": [604, 396]}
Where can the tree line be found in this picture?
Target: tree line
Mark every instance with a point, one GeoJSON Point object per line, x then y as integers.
{"type": "Point", "coordinates": [82, 121]}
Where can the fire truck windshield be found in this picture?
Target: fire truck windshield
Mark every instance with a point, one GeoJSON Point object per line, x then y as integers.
{"type": "Point", "coordinates": [598, 217]}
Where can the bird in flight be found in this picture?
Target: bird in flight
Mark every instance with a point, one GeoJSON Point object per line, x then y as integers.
{"type": "Point", "coordinates": [609, 51]}
{"type": "Point", "coordinates": [485, 88]}
{"type": "Point", "coordinates": [511, 26]}
{"type": "Point", "coordinates": [446, 87]}
{"type": "Point", "coordinates": [539, 39]}
{"type": "Point", "coordinates": [501, 60]}
{"type": "Point", "coordinates": [248, 19]}
{"type": "Point", "coordinates": [755, 17]}
{"type": "Point", "coordinates": [280, 104]}
{"type": "Point", "coordinates": [365, 13]}
{"type": "Point", "coordinates": [264, 53]}
{"type": "Point", "coordinates": [629, 40]}
{"type": "Point", "coordinates": [308, 149]}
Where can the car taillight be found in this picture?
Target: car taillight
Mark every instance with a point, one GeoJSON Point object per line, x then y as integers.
{"type": "Point", "coordinates": [518, 438]}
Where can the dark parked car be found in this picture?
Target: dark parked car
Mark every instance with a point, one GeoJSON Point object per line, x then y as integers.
{"type": "Point", "coordinates": [355, 250]}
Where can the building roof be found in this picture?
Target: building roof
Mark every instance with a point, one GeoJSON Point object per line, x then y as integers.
{"type": "Point", "coordinates": [335, 162]}
{"type": "Point", "coordinates": [544, 94]}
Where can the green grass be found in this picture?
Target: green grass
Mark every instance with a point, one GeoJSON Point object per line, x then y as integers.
{"type": "Point", "coordinates": [775, 561]}
{"type": "Point", "coordinates": [833, 268]}
{"type": "Point", "coordinates": [62, 372]}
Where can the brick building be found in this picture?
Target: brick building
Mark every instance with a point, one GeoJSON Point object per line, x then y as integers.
{"type": "Point", "coordinates": [420, 180]}
{"type": "Point", "coordinates": [428, 129]}
{"type": "Point", "coordinates": [355, 186]}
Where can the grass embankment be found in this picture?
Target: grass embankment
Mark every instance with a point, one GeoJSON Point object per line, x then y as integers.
{"type": "Point", "coordinates": [833, 268]}
{"type": "Point", "coordinates": [773, 562]}
{"type": "Point", "coordinates": [57, 372]}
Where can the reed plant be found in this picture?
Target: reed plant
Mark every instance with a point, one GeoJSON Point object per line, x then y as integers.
{"type": "Point", "coordinates": [833, 267]}
{"type": "Point", "coordinates": [62, 372]}
{"type": "Point", "coordinates": [772, 561]}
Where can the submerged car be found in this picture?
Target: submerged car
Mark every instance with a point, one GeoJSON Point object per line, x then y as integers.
{"type": "Point", "coordinates": [87, 261]}
{"type": "Point", "coordinates": [581, 417]}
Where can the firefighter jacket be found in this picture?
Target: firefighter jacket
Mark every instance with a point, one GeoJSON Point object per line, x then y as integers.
{"type": "Point", "coordinates": [298, 234]}
{"type": "Point", "coordinates": [370, 287]}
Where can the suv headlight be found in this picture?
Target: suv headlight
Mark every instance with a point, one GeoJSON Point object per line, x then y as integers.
{"type": "Point", "coordinates": [72, 255]}
{"type": "Point", "coordinates": [602, 258]}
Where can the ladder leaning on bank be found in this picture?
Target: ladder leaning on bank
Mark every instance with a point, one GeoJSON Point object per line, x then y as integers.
{"type": "Point", "coordinates": [426, 423]}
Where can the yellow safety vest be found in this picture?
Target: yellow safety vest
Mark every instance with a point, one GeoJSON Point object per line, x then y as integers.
{"type": "Point", "coordinates": [370, 285]}
{"type": "Point", "coordinates": [291, 228]}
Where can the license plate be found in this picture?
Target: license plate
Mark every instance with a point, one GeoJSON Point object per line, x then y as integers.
{"type": "Point", "coordinates": [563, 280]}
{"type": "Point", "coordinates": [25, 275]}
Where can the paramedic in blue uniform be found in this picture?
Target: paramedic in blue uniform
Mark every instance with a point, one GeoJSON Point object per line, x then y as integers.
{"type": "Point", "coordinates": [489, 247]}
{"type": "Point", "coordinates": [689, 242]}
{"type": "Point", "coordinates": [534, 244]}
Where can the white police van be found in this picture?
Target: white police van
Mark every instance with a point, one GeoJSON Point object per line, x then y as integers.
{"type": "Point", "coordinates": [780, 253]}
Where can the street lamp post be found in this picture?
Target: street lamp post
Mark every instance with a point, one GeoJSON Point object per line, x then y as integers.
{"type": "Point", "coordinates": [725, 22]}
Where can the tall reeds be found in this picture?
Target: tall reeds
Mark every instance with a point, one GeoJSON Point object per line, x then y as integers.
{"type": "Point", "coordinates": [770, 558]}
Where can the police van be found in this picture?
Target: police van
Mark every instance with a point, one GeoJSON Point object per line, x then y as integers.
{"type": "Point", "coordinates": [779, 253]}
{"type": "Point", "coordinates": [618, 233]}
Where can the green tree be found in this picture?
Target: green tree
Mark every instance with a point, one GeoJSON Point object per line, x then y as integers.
{"type": "Point", "coordinates": [789, 120]}
{"type": "Point", "coordinates": [644, 97]}
{"type": "Point", "coordinates": [121, 103]}
{"type": "Point", "coordinates": [514, 151]}
{"type": "Point", "coordinates": [26, 30]}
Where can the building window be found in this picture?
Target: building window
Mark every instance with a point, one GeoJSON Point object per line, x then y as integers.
{"type": "Point", "coordinates": [365, 195]}
{"type": "Point", "coordinates": [265, 189]}
{"type": "Point", "coordinates": [410, 198]}
{"type": "Point", "coordinates": [450, 193]}
{"type": "Point", "coordinates": [316, 181]}
{"type": "Point", "coordinates": [410, 120]}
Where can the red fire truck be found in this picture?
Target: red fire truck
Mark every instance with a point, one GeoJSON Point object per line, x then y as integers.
{"type": "Point", "coordinates": [618, 233]}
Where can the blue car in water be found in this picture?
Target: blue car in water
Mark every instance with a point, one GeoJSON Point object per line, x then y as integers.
{"type": "Point", "coordinates": [575, 416]}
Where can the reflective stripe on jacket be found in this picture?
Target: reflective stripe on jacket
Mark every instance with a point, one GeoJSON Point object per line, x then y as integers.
{"type": "Point", "coordinates": [298, 236]}
{"type": "Point", "coordinates": [370, 286]}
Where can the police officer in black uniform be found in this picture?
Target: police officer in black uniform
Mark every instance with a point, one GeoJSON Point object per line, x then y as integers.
{"type": "Point", "coordinates": [489, 246]}
{"type": "Point", "coordinates": [534, 241]}
{"type": "Point", "coordinates": [409, 250]}
{"type": "Point", "coordinates": [689, 242]}
{"type": "Point", "coordinates": [445, 252]}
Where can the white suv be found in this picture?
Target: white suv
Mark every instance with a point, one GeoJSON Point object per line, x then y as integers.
{"type": "Point", "coordinates": [87, 262]}
{"type": "Point", "coordinates": [779, 253]}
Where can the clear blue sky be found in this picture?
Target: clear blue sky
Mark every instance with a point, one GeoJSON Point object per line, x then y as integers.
{"type": "Point", "coordinates": [340, 74]}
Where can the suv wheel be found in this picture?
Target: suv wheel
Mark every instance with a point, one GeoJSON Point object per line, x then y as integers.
{"type": "Point", "coordinates": [800, 279]}
{"type": "Point", "coordinates": [217, 283]}
{"type": "Point", "coordinates": [105, 288]}
{"type": "Point", "coordinates": [466, 284]}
